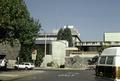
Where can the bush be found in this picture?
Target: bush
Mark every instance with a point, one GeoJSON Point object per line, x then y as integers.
{"type": "Point", "coordinates": [62, 66]}
{"type": "Point", "coordinates": [50, 64]}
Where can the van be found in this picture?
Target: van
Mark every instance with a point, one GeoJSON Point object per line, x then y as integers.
{"type": "Point", "coordinates": [108, 64]}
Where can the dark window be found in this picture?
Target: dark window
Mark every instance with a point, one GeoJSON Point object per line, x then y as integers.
{"type": "Point", "coordinates": [110, 60]}
{"type": "Point", "coordinates": [102, 60]}
{"type": "Point", "coordinates": [26, 64]}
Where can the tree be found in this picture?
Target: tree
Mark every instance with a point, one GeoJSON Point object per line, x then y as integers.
{"type": "Point", "coordinates": [100, 49]}
{"type": "Point", "coordinates": [13, 18]}
{"type": "Point", "coordinates": [60, 34]}
{"type": "Point", "coordinates": [65, 35]}
{"type": "Point", "coordinates": [16, 24]}
{"type": "Point", "coordinates": [40, 55]}
{"type": "Point", "coordinates": [93, 60]}
{"type": "Point", "coordinates": [68, 36]}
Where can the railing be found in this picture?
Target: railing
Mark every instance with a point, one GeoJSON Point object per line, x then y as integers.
{"type": "Point", "coordinates": [99, 43]}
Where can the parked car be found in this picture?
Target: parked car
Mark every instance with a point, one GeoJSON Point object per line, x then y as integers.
{"type": "Point", "coordinates": [25, 65]}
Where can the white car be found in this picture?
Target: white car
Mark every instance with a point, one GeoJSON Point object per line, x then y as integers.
{"type": "Point", "coordinates": [24, 65]}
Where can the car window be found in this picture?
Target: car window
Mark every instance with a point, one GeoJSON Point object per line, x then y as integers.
{"type": "Point", "coordinates": [110, 60]}
{"type": "Point", "coordinates": [22, 63]}
{"type": "Point", "coordinates": [102, 60]}
{"type": "Point", "coordinates": [26, 64]}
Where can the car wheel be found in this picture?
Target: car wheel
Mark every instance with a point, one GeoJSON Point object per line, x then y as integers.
{"type": "Point", "coordinates": [26, 68]}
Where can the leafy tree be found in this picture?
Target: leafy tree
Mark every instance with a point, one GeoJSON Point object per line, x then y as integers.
{"type": "Point", "coordinates": [60, 34]}
{"type": "Point", "coordinates": [13, 18]}
{"type": "Point", "coordinates": [40, 55]}
{"type": "Point", "coordinates": [65, 35]}
{"type": "Point", "coordinates": [100, 49]}
{"type": "Point", "coordinates": [93, 60]}
{"type": "Point", "coordinates": [16, 24]}
{"type": "Point", "coordinates": [68, 36]}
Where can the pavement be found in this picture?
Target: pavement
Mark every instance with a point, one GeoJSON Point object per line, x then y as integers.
{"type": "Point", "coordinates": [14, 74]}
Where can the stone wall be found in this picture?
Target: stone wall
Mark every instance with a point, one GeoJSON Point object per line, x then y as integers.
{"type": "Point", "coordinates": [76, 62]}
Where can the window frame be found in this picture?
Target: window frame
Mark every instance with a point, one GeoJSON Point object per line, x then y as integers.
{"type": "Point", "coordinates": [101, 60]}
{"type": "Point", "coordinates": [107, 62]}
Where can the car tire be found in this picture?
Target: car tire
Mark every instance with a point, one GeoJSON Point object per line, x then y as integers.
{"type": "Point", "coordinates": [26, 68]}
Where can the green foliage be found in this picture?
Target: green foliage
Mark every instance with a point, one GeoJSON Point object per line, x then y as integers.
{"type": "Point", "coordinates": [68, 36]}
{"type": "Point", "coordinates": [25, 53]}
{"type": "Point", "coordinates": [16, 23]}
{"type": "Point", "coordinates": [100, 49]}
{"type": "Point", "coordinates": [60, 34]}
{"type": "Point", "coordinates": [39, 57]}
{"type": "Point", "coordinates": [65, 35]}
{"type": "Point", "coordinates": [13, 13]}
{"type": "Point", "coordinates": [50, 64]}
{"type": "Point", "coordinates": [93, 60]}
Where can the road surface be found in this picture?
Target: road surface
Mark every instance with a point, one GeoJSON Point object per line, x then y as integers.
{"type": "Point", "coordinates": [83, 75]}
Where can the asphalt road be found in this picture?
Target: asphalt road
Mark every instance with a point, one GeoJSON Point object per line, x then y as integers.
{"type": "Point", "coordinates": [83, 75]}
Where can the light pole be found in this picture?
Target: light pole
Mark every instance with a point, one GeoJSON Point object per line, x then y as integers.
{"type": "Point", "coordinates": [45, 49]}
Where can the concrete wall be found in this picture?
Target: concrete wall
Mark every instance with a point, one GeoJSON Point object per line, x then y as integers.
{"type": "Point", "coordinates": [11, 63]}
{"type": "Point", "coordinates": [58, 55]}
{"type": "Point", "coordinates": [78, 60]}
{"type": "Point", "coordinates": [59, 51]}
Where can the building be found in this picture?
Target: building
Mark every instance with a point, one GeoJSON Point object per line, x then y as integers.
{"type": "Point", "coordinates": [53, 35]}
{"type": "Point", "coordinates": [85, 49]}
{"type": "Point", "coordinates": [49, 42]}
{"type": "Point", "coordinates": [112, 36]}
{"type": "Point", "coordinates": [57, 56]}
{"type": "Point", "coordinates": [91, 48]}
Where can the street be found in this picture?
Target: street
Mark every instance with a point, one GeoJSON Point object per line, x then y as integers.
{"type": "Point", "coordinates": [11, 75]}
{"type": "Point", "coordinates": [58, 75]}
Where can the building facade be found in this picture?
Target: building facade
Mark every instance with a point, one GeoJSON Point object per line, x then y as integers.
{"type": "Point", "coordinates": [112, 36]}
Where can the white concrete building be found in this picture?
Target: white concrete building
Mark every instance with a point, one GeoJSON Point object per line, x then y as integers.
{"type": "Point", "coordinates": [59, 51]}
{"type": "Point", "coordinates": [58, 55]}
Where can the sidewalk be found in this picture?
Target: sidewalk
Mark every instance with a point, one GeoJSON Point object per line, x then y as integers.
{"type": "Point", "coordinates": [12, 75]}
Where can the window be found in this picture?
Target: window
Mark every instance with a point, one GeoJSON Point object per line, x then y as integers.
{"type": "Point", "coordinates": [102, 60]}
{"type": "Point", "coordinates": [26, 64]}
{"type": "Point", "coordinates": [110, 60]}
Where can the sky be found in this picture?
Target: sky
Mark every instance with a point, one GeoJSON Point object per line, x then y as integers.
{"type": "Point", "coordinates": [92, 18]}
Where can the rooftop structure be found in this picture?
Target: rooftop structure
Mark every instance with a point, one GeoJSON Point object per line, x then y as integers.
{"type": "Point", "coordinates": [112, 36]}
{"type": "Point", "coordinates": [53, 36]}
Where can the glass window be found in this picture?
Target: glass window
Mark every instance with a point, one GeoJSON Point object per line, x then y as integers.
{"type": "Point", "coordinates": [110, 60]}
{"type": "Point", "coordinates": [102, 60]}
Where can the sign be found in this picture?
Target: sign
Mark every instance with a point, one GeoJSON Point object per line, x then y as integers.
{"type": "Point", "coordinates": [34, 54]}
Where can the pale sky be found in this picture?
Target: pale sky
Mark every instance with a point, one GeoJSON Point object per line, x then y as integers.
{"type": "Point", "coordinates": [91, 17]}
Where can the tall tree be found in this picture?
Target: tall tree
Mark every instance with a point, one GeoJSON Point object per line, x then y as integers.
{"type": "Point", "coordinates": [65, 35]}
{"type": "Point", "coordinates": [68, 36]}
{"type": "Point", "coordinates": [60, 34]}
{"type": "Point", "coordinates": [16, 23]}
{"type": "Point", "coordinates": [13, 18]}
